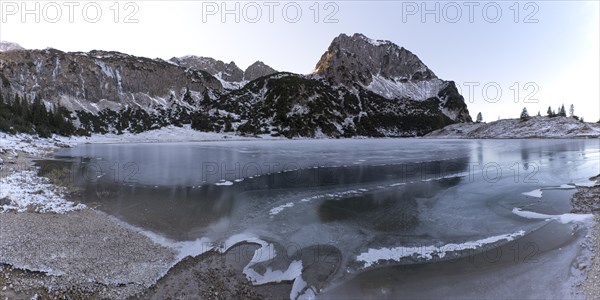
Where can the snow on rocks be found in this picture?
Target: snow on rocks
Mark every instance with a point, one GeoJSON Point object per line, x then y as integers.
{"type": "Point", "coordinates": [26, 191]}
{"type": "Point", "coordinates": [535, 127]}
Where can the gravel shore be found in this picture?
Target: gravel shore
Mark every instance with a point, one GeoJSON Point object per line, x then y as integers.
{"type": "Point", "coordinates": [587, 200]}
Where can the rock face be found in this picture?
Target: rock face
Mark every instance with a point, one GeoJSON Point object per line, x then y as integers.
{"type": "Point", "coordinates": [256, 70]}
{"type": "Point", "coordinates": [229, 73]}
{"type": "Point", "coordinates": [388, 70]}
{"type": "Point", "coordinates": [358, 59]}
{"type": "Point", "coordinates": [9, 46]}
{"type": "Point", "coordinates": [98, 79]}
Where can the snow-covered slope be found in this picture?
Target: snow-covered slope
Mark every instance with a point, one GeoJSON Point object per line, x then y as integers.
{"type": "Point", "coordinates": [536, 127]}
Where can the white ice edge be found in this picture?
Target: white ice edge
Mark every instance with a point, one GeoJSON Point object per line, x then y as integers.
{"type": "Point", "coordinates": [372, 256]}
{"type": "Point", "coordinates": [293, 271]}
{"type": "Point", "coordinates": [564, 218]}
{"type": "Point", "coordinates": [535, 193]}
{"type": "Point", "coordinates": [265, 253]}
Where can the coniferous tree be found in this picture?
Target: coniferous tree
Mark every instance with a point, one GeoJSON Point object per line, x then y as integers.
{"type": "Point", "coordinates": [550, 113]}
{"type": "Point", "coordinates": [561, 111]}
{"type": "Point", "coordinates": [524, 114]}
{"type": "Point", "coordinates": [571, 111]}
{"type": "Point", "coordinates": [479, 118]}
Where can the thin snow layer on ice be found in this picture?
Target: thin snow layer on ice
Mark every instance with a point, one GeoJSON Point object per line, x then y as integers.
{"type": "Point", "coordinates": [308, 295]}
{"type": "Point", "coordinates": [298, 286]}
{"type": "Point", "coordinates": [538, 192]}
{"type": "Point", "coordinates": [535, 193]}
{"type": "Point", "coordinates": [242, 238]}
{"type": "Point", "coordinates": [293, 271]}
{"type": "Point", "coordinates": [32, 144]}
{"type": "Point", "coordinates": [586, 183]}
{"type": "Point", "coordinates": [564, 187]}
{"type": "Point", "coordinates": [224, 183]}
{"type": "Point", "coordinates": [280, 208]}
{"type": "Point", "coordinates": [564, 218]}
{"type": "Point", "coordinates": [27, 191]}
{"type": "Point", "coordinates": [417, 90]}
{"type": "Point", "coordinates": [372, 256]}
{"type": "Point", "coordinates": [263, 254]}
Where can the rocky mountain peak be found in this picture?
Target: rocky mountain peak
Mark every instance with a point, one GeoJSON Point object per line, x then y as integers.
{"type": "Point", "coordinates": [357, 58]}
{"type": "Point", "coordinates": [226, 71]}
{"type": "Point", "coordinates": [229, 73]}
{"type": "Point", "coordinates": [9, 46]}
{"type": "Point", "coordinates": [257, 70]}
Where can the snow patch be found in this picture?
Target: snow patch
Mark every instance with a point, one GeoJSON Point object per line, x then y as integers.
{"type": "Point", "coordinates": [278, 209]}
{"type": "Point", "coordinates": [224, 183]}
{"type": "Point", "coordinates": [29, 192]}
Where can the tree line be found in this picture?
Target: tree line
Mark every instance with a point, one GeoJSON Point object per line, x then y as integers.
{"type": "Point", "coordinates": [19, 115]}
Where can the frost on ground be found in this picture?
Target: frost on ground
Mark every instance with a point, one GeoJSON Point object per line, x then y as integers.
{"type": "Point", "coordinates": [25, 191]}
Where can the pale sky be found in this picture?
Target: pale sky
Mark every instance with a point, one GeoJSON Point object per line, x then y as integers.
{"type": "Point", "coordinates": [550, 49]}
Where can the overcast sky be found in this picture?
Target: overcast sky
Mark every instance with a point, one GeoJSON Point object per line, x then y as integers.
{"type": "Point", "coordinates": [544, 51]}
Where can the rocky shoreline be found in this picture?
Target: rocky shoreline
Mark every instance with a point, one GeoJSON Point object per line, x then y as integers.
{"type": "Point", "coordinates": [587, 200]}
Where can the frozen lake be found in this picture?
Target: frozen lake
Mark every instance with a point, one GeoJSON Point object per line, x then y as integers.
{"type": "Point", "coordinates": [365, 218]}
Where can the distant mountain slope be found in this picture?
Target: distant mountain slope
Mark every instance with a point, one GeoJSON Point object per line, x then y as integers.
{"type": "Point", "coordinates": [536, 127]}
{"type": "Point", "coordinates": [99, 79]}
{"type": "Point", "coordinates": [295, 105]}
{"type": "Point", "coordinates": [361, 88]}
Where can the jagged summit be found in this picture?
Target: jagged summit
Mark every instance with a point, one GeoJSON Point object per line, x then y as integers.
{"type": "Point", "coordinates": [358, 58]}
{"type": "Point", "coordinates": [257, 70]}
{"type": "Point", "coordinates": [9, 46]}
{"type": "Point", "coordinates": [229, 73]}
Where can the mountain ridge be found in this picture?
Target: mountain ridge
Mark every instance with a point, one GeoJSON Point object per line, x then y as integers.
{"type": "Point", "coordinates": [360, 87]}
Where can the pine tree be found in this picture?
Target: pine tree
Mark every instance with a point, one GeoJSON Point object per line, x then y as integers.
{"type": "Point", "coordinates": [479, 118]}
{"type": "Point", "coordinates": [561, 111]}
{"type": "Point", "coordinates": [539, 114]}
{"type": "Point", "coordinates": [524, 114]}
{"type": "Point", "coordinates": [571, 111]}
{"type": "Point", "coordinates": [550, 113]}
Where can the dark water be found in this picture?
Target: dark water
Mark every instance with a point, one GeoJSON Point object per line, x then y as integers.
{"type": "Point", "coordinates": [348, 195]}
